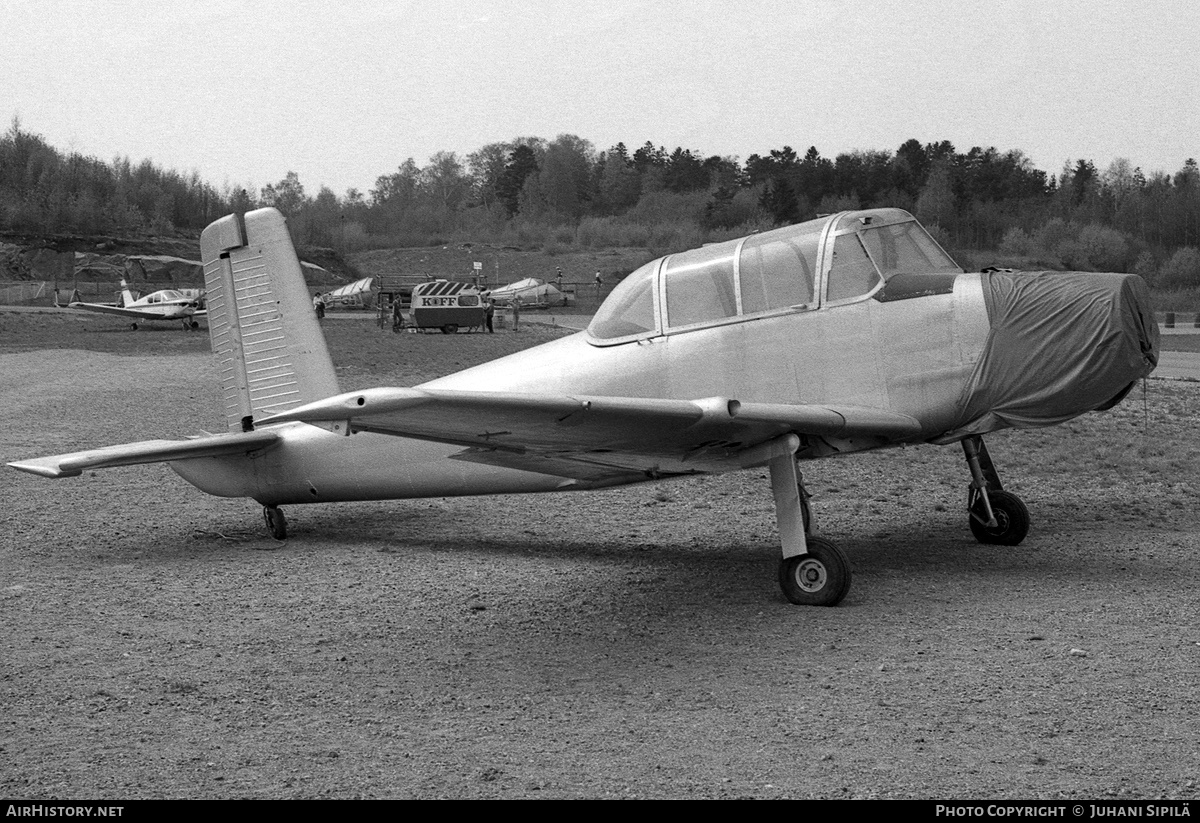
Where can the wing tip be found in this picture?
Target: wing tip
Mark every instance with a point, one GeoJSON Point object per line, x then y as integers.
{"type": "Point", "coordinates": [44, 468]}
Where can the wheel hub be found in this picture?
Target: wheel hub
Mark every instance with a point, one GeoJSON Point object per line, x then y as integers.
{"type": "Point", "coordinates": [811, 575]}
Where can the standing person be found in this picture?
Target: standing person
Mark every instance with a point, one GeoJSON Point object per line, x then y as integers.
{"type": "Point", "coordinates": [319, 305]}
{"type": "Point", "coordinates": [489, 312]}
{"type": "Point", "coordinates": [381, 312]}
{"type": "Point", "coordinates": [516, 307]}
{"type": "Point", "coordinates": [599, 282]}
{"type": "Point", "coordinates": [558, 279]}
{"type": "Point", "coordinates": [397, 315]}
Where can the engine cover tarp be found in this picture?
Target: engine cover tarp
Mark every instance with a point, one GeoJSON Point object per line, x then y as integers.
{"type": "Point", "coordinates": [1104, 321]}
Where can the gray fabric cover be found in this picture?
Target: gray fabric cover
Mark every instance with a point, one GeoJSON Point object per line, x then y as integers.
{"type": "Point", "coordinates": [1058, 341]}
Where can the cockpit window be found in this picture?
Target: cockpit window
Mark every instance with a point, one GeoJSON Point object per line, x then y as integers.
{"type": "Point", "coordinates": [700, 285]}
{"type": "Point", "coordinates": [852, 273]}
{"type": "Point", "coordinates": [777, 268]}
{"type": "Point", "coordinates": [629, 310]}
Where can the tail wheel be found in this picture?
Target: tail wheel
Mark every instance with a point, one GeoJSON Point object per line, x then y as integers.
{"type": "Point", "coordinates": [819, 577]}
{"type": "Point", "coordinates": [1012, 519]}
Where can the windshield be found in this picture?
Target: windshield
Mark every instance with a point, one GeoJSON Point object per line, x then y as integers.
{"type": "Point", "coordinates": [870, 247]}
{"type": "Point", "coordinates": [896, 243]}
{"type": "Point", "coordinates": [906, 248]}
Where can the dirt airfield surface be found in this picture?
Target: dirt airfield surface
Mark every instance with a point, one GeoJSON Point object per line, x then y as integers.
{"type": "Point", "coordinates": [631, 643]}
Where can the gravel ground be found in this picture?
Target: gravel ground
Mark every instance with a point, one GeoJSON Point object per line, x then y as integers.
{"type": "Point", "coordinates": [627, 643]}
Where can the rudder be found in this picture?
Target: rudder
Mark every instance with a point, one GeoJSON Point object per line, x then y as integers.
{"type": "Point", "coordinates": [269, 347]}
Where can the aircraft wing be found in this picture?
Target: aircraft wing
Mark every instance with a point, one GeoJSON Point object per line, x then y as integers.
{"type": "Point", "coordinates": [147, 451]}
{"type": "Point", "coordinates": [595, 437]}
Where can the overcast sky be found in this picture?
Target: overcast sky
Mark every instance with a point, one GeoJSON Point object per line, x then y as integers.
{"type": "Point", "coordinates": [245, 91]}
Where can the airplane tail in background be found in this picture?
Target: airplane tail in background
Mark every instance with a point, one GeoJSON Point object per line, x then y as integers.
{"type": "Point", "coordinates": [127, 296]}
{"type": "Point", "coordinates": [268, 344]}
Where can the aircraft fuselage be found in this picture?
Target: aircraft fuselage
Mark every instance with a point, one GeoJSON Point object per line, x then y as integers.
{"type": "Point", "coordinates": [911, 356]}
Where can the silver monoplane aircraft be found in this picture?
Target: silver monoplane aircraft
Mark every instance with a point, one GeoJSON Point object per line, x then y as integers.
{"type": "Point", "coordinates": [167, 304]}
{"type": "Point", "coordinates": [852, 332]}
{"type": "Point", "coordinates": [533, 293]}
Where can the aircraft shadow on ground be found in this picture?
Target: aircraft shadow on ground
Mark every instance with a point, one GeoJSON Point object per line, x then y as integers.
{"type": "Point", "coordinates": [942, 554]}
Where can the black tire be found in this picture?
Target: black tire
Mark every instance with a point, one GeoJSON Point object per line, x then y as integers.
{"type": "Point", "coordinates": [449, 328]}
{"type": "Point", "coordinates": [133, 326]}
{"type": "Point", "coordinates": [194, 325]}
{"type": "Point", "coordinates": [1012, 520]}
{"type": "Point", "coordinates": [820, 577]}
{"type": "Point", "coordinates": [276, 522]}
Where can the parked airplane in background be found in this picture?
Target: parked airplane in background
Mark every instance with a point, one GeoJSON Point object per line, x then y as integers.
{"type": "Point", "coordinates": [851, 332]}
{"type": "Point", "coordinates": [167, 304]}
{"type": "Point", "coordinates": [357, 294]}
{"type": "Point", "coordinates": [533, 293]}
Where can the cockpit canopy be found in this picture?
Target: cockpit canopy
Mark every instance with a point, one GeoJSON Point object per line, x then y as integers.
{"type": "Point", "coordinates": [843, 258]}
{"type": "Point", "coordinates": [166, 296]}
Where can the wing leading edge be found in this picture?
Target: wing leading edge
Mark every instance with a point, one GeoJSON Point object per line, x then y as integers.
{"type": "Point", "coordinates": [593, 438]}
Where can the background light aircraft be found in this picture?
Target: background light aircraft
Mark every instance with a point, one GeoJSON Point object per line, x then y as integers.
{"type": "Point", "coordinates": [167, 304]}
{"type": "Point", "coordinates": [357, 293]}
{"type": "Point", "coordinates": [531, 292]}
{"type": "Point", "coordinates": [852, 332]}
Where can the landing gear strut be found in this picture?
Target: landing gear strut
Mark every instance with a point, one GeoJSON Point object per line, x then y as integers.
{"type": "Point", "coordinates": [813, 570]}
{"type": "Point", "coordinates": [276, 522]}
{"type": "Point", "coordinates": [996, 516]}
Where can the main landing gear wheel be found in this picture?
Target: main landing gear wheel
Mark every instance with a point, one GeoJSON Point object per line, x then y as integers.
{"type": "Point", "coordinates": [133, 326]}
{"type": "Point", "coordinates": [450, 328]}
{"type": "Point", "coordinates": [276, 522]}
{"type": "Point", "coordinates": [820, 577]}
{"type": "Point", "coordinates": [1012, 519]}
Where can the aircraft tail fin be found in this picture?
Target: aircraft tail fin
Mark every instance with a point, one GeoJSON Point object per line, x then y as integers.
{"type": "Point", "coordinates": [127, 295]}
{"type": "Point", "coordinates": [269, 347]}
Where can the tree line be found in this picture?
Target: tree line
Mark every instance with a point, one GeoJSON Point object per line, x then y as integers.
{"type": "Point", "coordinates": [564, 193]}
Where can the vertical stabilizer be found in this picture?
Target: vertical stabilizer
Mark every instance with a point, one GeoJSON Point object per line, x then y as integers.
{"type": "Point", "coordinates": [270, 350]}
{"type": "Point", "coordinates": [127, 298]}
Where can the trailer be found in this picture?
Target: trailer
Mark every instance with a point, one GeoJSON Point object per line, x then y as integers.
{"type": "Point", "coordinates": [447, 305]}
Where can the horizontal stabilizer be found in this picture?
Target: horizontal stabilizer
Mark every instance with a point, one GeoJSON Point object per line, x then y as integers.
{"type": "Point", "coordinates": [147, 451]}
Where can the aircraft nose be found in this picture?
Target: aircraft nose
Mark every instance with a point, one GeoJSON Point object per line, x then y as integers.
{"type": "Point", "coordinates": [1138, 309]}
{"type": "Point", "coordinates": [1061, 344]}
